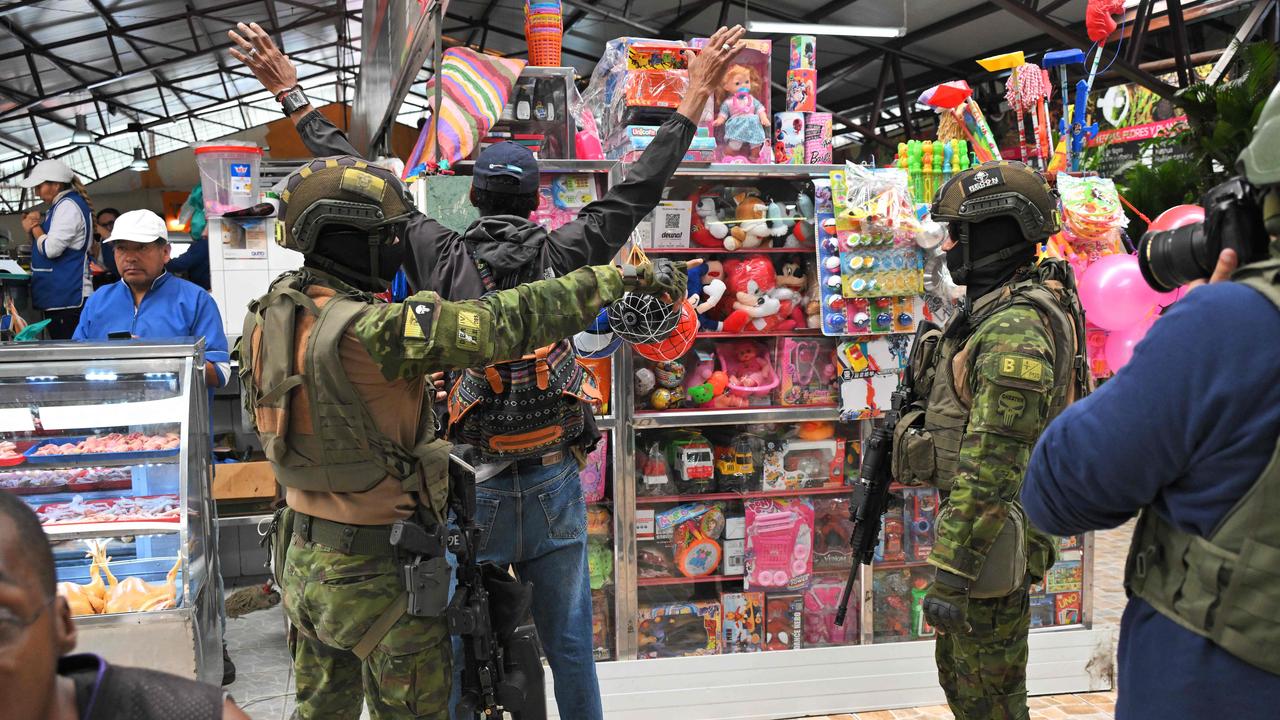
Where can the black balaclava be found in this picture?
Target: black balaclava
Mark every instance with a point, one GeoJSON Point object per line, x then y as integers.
{"type": "Point", "coordinates": [345, 253]}
{"type": "Point", "coordinates": [987, 238]}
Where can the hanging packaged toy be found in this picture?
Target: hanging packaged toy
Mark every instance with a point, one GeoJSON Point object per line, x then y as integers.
{"type": "Point", "coordinates": [653, 475]}
{"type": "Point", "coordinates": [696, 554]}
{"type": "Point", "coordinates": [1091, 215]}
{"type": "Point", "coordinates": [808, 372]}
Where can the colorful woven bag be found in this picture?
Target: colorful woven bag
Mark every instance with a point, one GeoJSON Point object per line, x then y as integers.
{"type": "Point", "coordinates": [476, 89]}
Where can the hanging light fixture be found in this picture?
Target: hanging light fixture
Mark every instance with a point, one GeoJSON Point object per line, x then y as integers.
{"type": "Point", "coordinates": [81, 136]}
{"type": "Point", "coordinates": [794, 28]}
{"type": "Point", "coordinates": [139, 163]}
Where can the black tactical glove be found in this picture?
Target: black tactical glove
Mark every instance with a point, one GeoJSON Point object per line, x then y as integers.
{"type": "Point", "coordinates": [946, 605]}
{"type": "Point", "coordinates": [657, 277]}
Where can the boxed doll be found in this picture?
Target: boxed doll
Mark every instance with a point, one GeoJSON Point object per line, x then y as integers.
{"type": "Point", "coordinates": [742, 622]}
{"type": "Point", "coordinates": [679, 629]}
{"type": "Point", "coordinates": [788, 138]}
{"type": "Point", "coordinates": [784, 622]}
{"type": "Point", "coordinates": [742, 119]}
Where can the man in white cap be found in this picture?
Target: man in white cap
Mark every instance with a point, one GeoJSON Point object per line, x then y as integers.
{"type": "Point", "coordinates": [149, 302]}
{"type": "Point", "coordinates": [60, 279]}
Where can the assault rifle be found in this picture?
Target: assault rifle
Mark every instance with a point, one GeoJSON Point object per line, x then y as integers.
{"type": "Point", "coordinates": [502, 668]}
{"type": "Point", "coordinates": [871, 490]}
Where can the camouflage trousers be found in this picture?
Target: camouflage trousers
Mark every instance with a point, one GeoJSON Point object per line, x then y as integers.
{"type": "Point", "coordinates": [984, 672]}
{"type": "Point", "coordinates": [332, 598]}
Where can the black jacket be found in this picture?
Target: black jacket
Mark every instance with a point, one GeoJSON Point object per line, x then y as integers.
{"type": "Point", "coordinates": [438, 259]}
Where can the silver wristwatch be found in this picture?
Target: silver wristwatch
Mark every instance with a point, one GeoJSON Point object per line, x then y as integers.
{"type": "Point", "coordinates": [293, 101]}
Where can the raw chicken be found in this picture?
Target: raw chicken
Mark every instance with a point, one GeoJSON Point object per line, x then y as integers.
{"type": "Point", "coordinates": [88, 599]}
{"type": "Point", "coordinates": [136, 595]}
{"type": "Point", "coordinates": [8, 450]}
{"type": "Point", "coordinates": [113, 443]}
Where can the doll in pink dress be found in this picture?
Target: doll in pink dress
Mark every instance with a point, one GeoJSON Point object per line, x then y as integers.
{"type": "Point", "coordinates": [742, 116]}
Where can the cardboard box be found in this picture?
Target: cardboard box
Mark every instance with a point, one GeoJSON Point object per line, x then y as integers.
{"type": "Point", "coordinates": [644, 524]}
{"type": "Point", "coordinates": [742, 622]}
{"type": "Point", "coordinates": [671, 221]}
{"type": "Point", "coordinates": [679, 629]}
{"type": "Point", "coordinates": [243, 481]}
{"type": "Point", "coordinates": [735, 555]}
{"type": "Point", "coordinates": [643, 234]}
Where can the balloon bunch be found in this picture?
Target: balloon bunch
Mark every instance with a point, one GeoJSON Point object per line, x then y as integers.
{"type": "Point", "coordinates": [1117, 299]}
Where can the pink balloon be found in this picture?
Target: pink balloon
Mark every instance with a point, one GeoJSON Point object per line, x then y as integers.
{"type": "Point", "coordinates": [1120, 344]}
{"type": "Point", "coordinates": [1114, 295]}
{"type": "Point", "coordinates": [1169, 298]}
{"type": "Point", "coordinates": [1176, 217]}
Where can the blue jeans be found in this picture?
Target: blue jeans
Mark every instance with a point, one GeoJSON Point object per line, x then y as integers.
{"type": "Point", "coordinates": [536, 521]}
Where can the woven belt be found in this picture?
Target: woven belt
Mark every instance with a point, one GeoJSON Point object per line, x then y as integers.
{"type": "Point", "coordinates": [348, 539]}
{"type": "Point", "coordinates": [554, 458]}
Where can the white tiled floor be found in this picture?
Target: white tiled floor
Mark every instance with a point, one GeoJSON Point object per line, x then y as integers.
{"type": "Point", "coordinates": [264, 679]}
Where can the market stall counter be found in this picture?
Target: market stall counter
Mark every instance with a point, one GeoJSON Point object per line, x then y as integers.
{"type": "Point", "coordinates": [109, 444]}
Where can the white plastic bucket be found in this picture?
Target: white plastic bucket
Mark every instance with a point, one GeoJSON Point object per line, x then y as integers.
{"type": "Point", "coordinates": [228, 175]}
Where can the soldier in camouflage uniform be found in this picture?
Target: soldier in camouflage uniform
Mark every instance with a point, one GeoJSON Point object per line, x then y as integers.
{"type": "Point", "coordinates": [335, 383]}
{"type": "Point", "coordinates": [988, 383]}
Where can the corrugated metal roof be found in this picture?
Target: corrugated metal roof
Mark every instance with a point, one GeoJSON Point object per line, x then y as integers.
{"type": "Point", "coordinates": [156, 72]}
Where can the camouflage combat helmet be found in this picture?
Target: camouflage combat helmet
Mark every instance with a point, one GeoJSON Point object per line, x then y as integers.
{"type": "Point", "coordinates": [998, 188]}
{"type": "Point", "coordinates": [334, 191]}
{"type": "Point", "coordinates": [1260, 161]}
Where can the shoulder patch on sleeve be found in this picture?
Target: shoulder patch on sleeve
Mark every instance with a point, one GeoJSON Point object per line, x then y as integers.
{"type": "Point", "coordinates": [1018, 370]}
{"type": "Point", "coordinates": [419, 317]}
{"type": "Point", "coordinates": [468, 330]}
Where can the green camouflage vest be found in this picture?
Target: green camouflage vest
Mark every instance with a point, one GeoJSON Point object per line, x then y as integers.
{"type": "Point", "coordinates": [1225, 587]}
{"type": "Point", "coordinates": [346, 451]}
{"type": "Point", "coordinates": [927, 446]}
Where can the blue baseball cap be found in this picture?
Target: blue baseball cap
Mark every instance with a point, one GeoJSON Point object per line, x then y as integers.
{"type": "Point", "coordinates": [506, 160]}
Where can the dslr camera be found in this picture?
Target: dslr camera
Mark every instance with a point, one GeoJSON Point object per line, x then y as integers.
{"type": "Point", "coordinates": [1233, 219]}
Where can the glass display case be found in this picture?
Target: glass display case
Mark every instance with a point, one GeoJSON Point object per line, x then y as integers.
{"type": "Point", "coordinates": [109, 444]}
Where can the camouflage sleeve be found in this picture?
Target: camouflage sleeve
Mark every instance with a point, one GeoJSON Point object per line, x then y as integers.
{"type": "Point", "coordinates": [425, 333]}
{"type": "Point", "coordinates": [1011, 378]}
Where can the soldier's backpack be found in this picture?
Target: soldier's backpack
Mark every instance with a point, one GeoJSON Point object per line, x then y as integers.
{"type": "Point", "coordinates": [525, 408]}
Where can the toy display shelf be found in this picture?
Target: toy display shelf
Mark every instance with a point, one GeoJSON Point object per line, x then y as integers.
{"type": "Point", "coordinates": [898, 564]}
{"type": "Point", "coordinates": [555, 167]}
{"type": "Point", "coordinates": [681, 580]}
{"type": "Point", "coordinates": [645, 419]}
{"type": "Point", "coordinates": [807, 251]}
{"type": "Point", "coordinates": [747, 170]}
{"type": "Point", "coordinates": [798, 332]}
{"type": "Point", "coordinates": [801, 492]}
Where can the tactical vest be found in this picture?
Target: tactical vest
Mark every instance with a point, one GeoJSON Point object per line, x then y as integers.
{"type": "Point", "coordinates": [345, 452]}
{"type": "Point", "coordinates": [1225, 587]}
{"type": "Point", "coordinates": [926, 449]}
{"type": "Point", "coordinates": [927, 446]}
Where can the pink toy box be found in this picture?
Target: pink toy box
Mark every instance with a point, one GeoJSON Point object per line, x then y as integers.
{"type": "Point", "coordinates": [779, 544]}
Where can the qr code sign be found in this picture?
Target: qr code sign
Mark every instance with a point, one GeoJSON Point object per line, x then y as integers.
{"type": "Point", "coordinates": [672, 221]}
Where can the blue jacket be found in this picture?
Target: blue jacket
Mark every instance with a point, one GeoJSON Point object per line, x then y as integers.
{"type": "Point", "coordinates": [194, 263]}
{"type": "Point", "coordinates": [58, 283]}
{"type": "Point", "coordinates": [173, 308]}
{"type": "Point", "coordinates": [1185, 428]}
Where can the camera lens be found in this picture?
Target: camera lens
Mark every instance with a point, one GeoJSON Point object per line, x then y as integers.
{"type": "Point", "coordinates": [1170, 259]}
